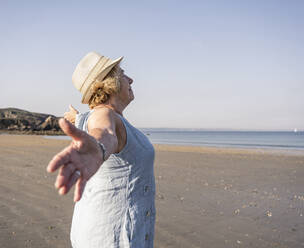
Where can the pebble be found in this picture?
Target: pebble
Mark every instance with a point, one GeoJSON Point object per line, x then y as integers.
{"type": "Point", "coordinates": [269, 214]}
{"type": "Point", "coordinates": [160, 196]}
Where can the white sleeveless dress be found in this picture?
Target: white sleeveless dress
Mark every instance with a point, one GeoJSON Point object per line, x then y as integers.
{"type": "Point", "coordinates": [117, 209]}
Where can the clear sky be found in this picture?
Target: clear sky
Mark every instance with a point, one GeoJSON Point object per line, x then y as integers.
{"type": "Point", "coordinates": [195, 64]}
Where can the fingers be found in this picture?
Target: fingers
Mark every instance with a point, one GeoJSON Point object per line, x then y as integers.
{"type": "Point", "coordinates": [64, 156]}
{"type": "Point", "coordinates": [73, 109]}
{"type": "Point", "coordinates": [79, 187]}
{"type": "Point", "coordinates": [59, 159]}
{"type": "Point", "coordinates": [66, 116]}
{"type": "Point", "coordinates": [64, 175]}
{"type": "Point", "coordinates": [70, 130]}
{"type": "Point", "coordinates": [71, 181]}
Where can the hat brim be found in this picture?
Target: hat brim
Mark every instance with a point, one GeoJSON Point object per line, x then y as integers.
{"type": "Point", "coordinates": [100, 75]}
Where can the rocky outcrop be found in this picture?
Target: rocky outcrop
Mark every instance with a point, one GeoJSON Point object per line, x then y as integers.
{"type": "Point", "coordinates": [21, 121]}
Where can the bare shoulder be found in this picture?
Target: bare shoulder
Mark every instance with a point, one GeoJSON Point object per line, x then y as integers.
{"type": "Point", "coordinates": [107, 120]}
{"type": "Point", "coordinates": [102, 118]}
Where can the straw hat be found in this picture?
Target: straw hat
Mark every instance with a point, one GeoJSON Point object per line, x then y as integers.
{"type": "Point", "coordinates": [91, 67]}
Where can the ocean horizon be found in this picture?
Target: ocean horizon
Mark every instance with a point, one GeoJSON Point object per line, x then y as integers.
{"type": "Point", "coordinates": [291, 140]}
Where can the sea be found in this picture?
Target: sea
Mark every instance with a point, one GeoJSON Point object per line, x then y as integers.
{"type": "Point", "coordinates": [291, 140]}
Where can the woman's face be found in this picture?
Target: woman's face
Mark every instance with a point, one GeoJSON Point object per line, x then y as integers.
{"type": "Point", "coordinates": [126, 93]}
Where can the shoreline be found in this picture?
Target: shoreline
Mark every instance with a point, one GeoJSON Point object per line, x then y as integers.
{"type": "Point", "coordinates": [229, 150]}
{"type": "Point", "coordinates": [194, 148]}
{"type": "Point", "coordinates": [30, 132]}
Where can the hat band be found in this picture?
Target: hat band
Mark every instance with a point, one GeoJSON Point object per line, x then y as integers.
{"type": "Point", "coordinates": [93, 75]}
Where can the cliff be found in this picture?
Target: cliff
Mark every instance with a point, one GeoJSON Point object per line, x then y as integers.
{"type": "Point", "coordinates": [13, 120]}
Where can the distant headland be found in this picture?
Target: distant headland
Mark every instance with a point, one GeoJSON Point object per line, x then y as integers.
{"type": "Point", "coordinates": [18, 121]}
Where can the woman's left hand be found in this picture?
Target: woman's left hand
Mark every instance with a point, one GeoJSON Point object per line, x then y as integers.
{"type": "Point", "coordinates": [71, 115]}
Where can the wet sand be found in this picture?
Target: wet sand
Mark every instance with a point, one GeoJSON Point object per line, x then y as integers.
{"type": "Point", "coordinates": [206, 197]}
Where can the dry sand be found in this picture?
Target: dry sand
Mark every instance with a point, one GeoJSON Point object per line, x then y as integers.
{"type": "Point", "coordinates": [206, 197]}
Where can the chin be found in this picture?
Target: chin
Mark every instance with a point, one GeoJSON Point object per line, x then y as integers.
{"type": "Point", "coordinates": [131, 98]}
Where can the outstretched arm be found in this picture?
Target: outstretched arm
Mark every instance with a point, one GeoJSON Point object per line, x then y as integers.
{"type": "Point", "coordinates": [83, 155]}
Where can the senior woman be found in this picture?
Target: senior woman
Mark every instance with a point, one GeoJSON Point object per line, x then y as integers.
{"type": "Point", "coordinates": [109, 161]}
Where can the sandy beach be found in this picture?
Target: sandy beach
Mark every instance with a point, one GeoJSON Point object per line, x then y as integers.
{"type": "Point", "coordinates": [206, 197]}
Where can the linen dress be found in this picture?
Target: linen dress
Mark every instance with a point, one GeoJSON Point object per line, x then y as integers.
{"type": "Point", "coordinates": [117, 208]}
